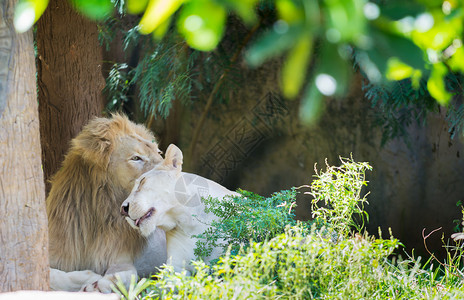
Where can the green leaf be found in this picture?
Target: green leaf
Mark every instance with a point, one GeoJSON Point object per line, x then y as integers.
{"type": "Point", "coordinates": [398, 9]}
{"type": "Point", "coordinates": [136, 6]}
{"type": "Point", "coordinates": [387, 45]}
{"type": "Point", "coordinates": [94, 9]}
{"type": "Point", "coordinates": [456, 62]}
{"type": "Point", "coordinates": [39, 7]}
{"type": "Point", "coordinates": [157, 12]}
{"type": "Point", "coordinates": [244, 8]}
{"type": "Point", "coordinates": [334, 65]}
{"type": "Point", "coordinates": [345, 20]}
{"type": "Point", "coordinates": [290, 11]}
{"type": "Point", "coordinates": [441, 35]}
{"type": "Point", "coordinates": [162, 29]}
{"type": "Point", "coordinates": [295, 67]}
{"type": "Point", "coordinates": [27, 12]}
{"type": "Point", "coordinates": [397, 70]}
{"type": "Point", "coordinates": [272, 44]}
{"type": "Point", "coordinates": [436, 84]}
{"type": "Point", "coordinates": [202, 24]}
{"type": "Point", "coordinates": [311, 105]}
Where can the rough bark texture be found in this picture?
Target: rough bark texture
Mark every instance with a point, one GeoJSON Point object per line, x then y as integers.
{"type": "Point", "coordinates": [23, 221]}
{"type": "Point", "coordinates": [70, 79]}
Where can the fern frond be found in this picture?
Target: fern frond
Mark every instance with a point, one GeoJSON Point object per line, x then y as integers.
{"type": "Point", "coordinates": [117, 86]}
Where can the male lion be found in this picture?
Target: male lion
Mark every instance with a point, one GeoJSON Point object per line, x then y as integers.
{"type": "Point", "coordinates": [86, 231]}
{"type": "Point", "coordinates": [169, 199]}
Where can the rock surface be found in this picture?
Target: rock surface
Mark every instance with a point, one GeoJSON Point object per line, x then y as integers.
{"type": "Point", "coordinates": [36, 295]}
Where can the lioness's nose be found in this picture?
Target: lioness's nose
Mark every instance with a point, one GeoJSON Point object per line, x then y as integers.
{"type": "Point", "coordinates": [125, 209]}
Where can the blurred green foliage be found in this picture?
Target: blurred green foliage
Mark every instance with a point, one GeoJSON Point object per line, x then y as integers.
{"type": "Point", "coordinates": [393, 40]}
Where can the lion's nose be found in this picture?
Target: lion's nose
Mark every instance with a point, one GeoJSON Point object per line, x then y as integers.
{"type": "Point", "coordinates": [125, 209]}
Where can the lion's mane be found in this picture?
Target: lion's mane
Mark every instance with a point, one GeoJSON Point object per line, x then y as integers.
{"type": "Point", "coordinates": [85, 227]}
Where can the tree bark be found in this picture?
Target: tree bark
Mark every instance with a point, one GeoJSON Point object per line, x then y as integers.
{"type": "Point", "coordinates": [69, 78]}
{"type": "Point", "coordinates": [23, 222]}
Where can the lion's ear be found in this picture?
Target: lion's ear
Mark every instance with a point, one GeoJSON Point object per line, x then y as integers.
{"type": "Point", "coordinates": [93, 143]}
{"type": "Point", "coordinates": [173, 158]}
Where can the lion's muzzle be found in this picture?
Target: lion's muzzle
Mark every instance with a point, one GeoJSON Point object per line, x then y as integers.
{"type": "Point", "coordinates": [145, 216]}
{"type": "Point", "coordinates": [125, 209]}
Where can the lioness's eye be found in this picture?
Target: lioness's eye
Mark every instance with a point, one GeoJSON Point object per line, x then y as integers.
{"type": "Point", "coordinates": [136, 158]}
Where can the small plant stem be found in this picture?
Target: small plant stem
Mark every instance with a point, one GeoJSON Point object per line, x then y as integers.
{"type": "Point", "coordinates": [446, 266]}
{"type": "Point", "coordinates": [218, 84]}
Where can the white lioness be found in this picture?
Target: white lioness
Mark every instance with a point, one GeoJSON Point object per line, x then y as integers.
{"type": "Point", "coordinates": [169, 199]}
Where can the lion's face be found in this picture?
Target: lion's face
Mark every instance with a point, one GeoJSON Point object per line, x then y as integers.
{"type": "Point", "coordinates": [132, 156]}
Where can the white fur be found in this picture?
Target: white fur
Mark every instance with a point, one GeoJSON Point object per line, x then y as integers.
{"type": "Point", "coordinates": [152, 257]}
{"type": "Point", "coordinates": [157, 189]}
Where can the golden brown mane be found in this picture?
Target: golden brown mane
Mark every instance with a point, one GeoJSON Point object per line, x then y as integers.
{"type": "Point", "coordinates": [86, 229]}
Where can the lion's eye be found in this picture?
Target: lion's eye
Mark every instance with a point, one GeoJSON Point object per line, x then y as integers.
{"type": "Point", "coordinates": [136, 158]}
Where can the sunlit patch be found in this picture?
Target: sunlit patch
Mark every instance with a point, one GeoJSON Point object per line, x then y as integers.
{"type": "Point", "coordinates": [193, 23]}
{"type": "Point", "coordinates": [205, 37]}
{"type": "Point", "coordinates": [397, 70]}
{"type": "Point", "coordinates": [424, 22]}
{"type": "Point", "coordinates": [406, 24]}
{"type": "Point", "coordinates": [439, 38]}
{"type": "Point", "coordinates": [446, 7]}
{"type": "Point", "coordinates": [280, 27]}
{"type": "Point", "coordinates": [371, 11]}
{"type": "Point", "coordinates": [202, 24]}
{"type": "Point", "coordinates": [24, 17]}
{"type": "Point", "coordinates": [326, 84]}
{"type": "Point", "coordinates": [432, 55]}
{"type": "Point", "coordinates": [451, 50]}
{"type": "Point", "coordinates": [333, 35]}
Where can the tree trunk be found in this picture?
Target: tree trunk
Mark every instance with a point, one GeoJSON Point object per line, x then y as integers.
{"type": "Point", "coordinates": [69, 77]}
{"type": "Point", "coordinates": [23, 223]}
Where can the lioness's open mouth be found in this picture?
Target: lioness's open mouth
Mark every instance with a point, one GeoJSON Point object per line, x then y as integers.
{"type": "Point", "coordinates": [145, 216]}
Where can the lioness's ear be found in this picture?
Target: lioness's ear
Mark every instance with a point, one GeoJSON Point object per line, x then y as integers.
{"type": "Point", "coordinates": [173, 158]}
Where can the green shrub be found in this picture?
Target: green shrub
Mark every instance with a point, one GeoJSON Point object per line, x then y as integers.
{"type": "Point", "coordinates": [296, 264]}
{"type": "Point", "coordinates": [252, 217]}
{"type": "Point", "coordinates": [247, 218]}
{"type": "Point", "coordinates": [306, 265]}
{"type": "Point", "coordinates": [340, 190]}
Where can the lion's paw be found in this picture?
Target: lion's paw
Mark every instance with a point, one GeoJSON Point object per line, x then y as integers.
{"type": "Point", "coordinates": [103, 286]}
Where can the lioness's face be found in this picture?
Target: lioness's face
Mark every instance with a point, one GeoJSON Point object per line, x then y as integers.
{"type": "Point", "coordinates": [152, 201]}
{"type": "Point", "coordinates": [132, 156]}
